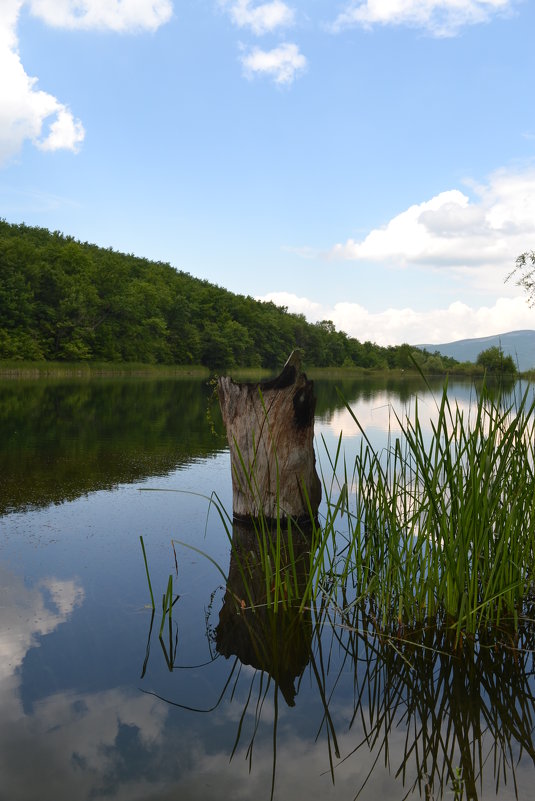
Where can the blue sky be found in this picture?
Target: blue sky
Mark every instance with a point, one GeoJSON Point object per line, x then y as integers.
{"type": "Point", "coordinates": [366, 161]}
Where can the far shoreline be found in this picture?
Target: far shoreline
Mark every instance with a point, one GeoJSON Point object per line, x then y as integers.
{"type": "Point", "coordinates": [89, 370]}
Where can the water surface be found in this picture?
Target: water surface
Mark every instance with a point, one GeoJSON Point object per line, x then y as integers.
{"type": "Point", "coordinates": [89, 705]}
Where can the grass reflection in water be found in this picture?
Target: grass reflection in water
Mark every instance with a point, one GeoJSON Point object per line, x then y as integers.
{"type": "Point", "coordinates": [416, 591]}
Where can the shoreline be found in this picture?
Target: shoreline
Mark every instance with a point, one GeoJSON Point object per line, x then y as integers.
{"type": "Point", "coordinates": [90, 370]}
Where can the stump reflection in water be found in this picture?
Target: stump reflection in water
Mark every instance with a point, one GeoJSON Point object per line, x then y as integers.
{"type": "Point", "coordinates": [263, 620]}
{"type": "Point", "coordinates": [465, 714]}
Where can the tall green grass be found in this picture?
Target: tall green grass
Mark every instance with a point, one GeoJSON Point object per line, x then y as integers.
{"type": "Point", "coordinates": [436, 529]}
{"type": "Point", "coordinates": [439, 528]}
{"type": "Point", "coordinates": [423, 552]}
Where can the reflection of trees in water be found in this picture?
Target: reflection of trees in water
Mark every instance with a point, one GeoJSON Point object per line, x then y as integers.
{"type": "Point", "coordinates": [61, 439]}
{"type": "Point", "coordinates": [331, 394]}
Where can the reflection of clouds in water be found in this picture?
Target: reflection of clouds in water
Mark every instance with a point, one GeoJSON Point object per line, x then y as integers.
{"type": "Point", "coordinates": [65, 595]}
{"type": "Point", "coordinates": [384, 415]}
{"type": "Point", "coordinates": [232, 712]}
{"type": "Point", "coordinates": [26, 615]}
{"type": "Point", "coordinates": [129, 746]}
{"type": "Point", "coordinates": [380, 414]}
{"type": "Point", "coordinates": [81, 746]}
{"type": "Point", "coordinates": [303, 772]}
{"type": "Point", "coordinates": [72, 737]}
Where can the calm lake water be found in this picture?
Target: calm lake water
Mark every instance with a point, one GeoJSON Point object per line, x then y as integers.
{"type": "Point", "coordinates": [89, 705]}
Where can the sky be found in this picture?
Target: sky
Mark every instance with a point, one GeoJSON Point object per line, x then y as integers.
{"type": "Point", "coordinates": [370, 162]}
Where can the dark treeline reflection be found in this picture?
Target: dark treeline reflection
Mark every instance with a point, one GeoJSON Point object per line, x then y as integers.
{"type": "Point", "coordinates": [62, 439]}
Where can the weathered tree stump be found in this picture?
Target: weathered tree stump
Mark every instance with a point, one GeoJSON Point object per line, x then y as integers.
{"type": "Point", "coordinates": [270, 431]}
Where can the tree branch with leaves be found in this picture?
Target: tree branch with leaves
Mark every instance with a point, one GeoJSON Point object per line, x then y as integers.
{"type": "Point", "coordinates": [524, 273]}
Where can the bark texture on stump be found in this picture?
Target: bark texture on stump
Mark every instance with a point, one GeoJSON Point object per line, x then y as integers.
{"type": "Point", "coordinates": [270, 431]}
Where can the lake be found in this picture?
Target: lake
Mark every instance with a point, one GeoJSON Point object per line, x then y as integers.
{"type": "Point", "coordinates": [95, 705]}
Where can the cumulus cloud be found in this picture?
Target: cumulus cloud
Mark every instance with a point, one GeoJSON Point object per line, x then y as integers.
{"type": "Point", "coordinates": [294, 303]}
{"type": "Point", "coordinates": [396, 326]}
{"type": "Point", "coordinates": [457, 321]}
{"type": "Point", "coordinates": [64, 132]}
{"type": "Point", "coordinates": [283, 63]}
{"type": "Point", "coordinates": [438, 17]}
{"type": "Point", "coordinates": [25, 111]}
{"type": "Point", "coordinates": [114, 15]}
{"type": "Point", "coordinates": [477, 238]}
{"type": "Point", "coordinates": [472, 239]}
{"type": "Point", "coordinates": [30, 113]}
{"type": "Point", "coordinates": [261, 19]}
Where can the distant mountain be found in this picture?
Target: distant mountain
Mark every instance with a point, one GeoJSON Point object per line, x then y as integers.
{"type": "Point", "coordinates": [518, 344]}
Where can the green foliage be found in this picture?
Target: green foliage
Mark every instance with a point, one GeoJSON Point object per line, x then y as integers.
{"type": "Point", "coordinates": [524, 273]}
{"type": "Point", "coordinates": [443, 530]}
{"type": "Point", "coordinates": [494, 361]}
{"type": "Point", "coordinates": [63, 300]}
{"type": "Point", "coordinates": [435, 533]}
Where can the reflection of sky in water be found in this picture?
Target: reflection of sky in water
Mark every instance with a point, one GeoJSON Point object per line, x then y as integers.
{"type": "Point", "coordinates": [73, 628]}
{"type": "Point", "coordinates": [381, 413]}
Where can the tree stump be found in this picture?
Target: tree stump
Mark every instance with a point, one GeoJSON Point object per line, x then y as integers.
{"type": "Point", "coordinates": [270, 431]}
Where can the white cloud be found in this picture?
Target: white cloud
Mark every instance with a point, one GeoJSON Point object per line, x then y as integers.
{"type": "Point", "coordinates": [439, 17]}
{"type": "Point", "coordinates": [457, 321]}
{"type": "Point", "coordinates": [293, 303]}
{"type": "Point", "coordinates": [114, 15]}
{"type": "Point", "coordinates": [478, 239]}
{"type": "Point", "coordinates": [25, 111]}
{"type": "Point", "coordinates": [29, 113]}
{"type": "Point", "coordinates": [283, 63]}
{"type": "Point", "coordinates": [64, 133]}
{"type": "Point", "coordinates": [475, 240]}
{"type": "Point", "coordinates": [261, 19]}
{"type": "Point", "coordinates": [395, 326]}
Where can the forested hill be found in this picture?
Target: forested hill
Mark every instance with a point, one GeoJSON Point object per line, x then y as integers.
{"type": "Point", "coordinates": [64, 300]}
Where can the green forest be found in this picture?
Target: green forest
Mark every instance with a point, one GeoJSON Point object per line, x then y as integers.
{"type": "Point", "coordinates": [64, 300]}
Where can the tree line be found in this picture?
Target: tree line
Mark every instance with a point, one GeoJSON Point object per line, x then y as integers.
{"type": "Point", "coordinates": [64, 300]}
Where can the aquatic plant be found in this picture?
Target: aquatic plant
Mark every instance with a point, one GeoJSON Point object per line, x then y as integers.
{"type": "Point", "coordinates": [435, 530]}
{"type": "Point", "coordinates": [440, 529]}
{"type": "Point", "coordinates": [168, 603]}
{"type": "Point", "coordinates": [415, 584]}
